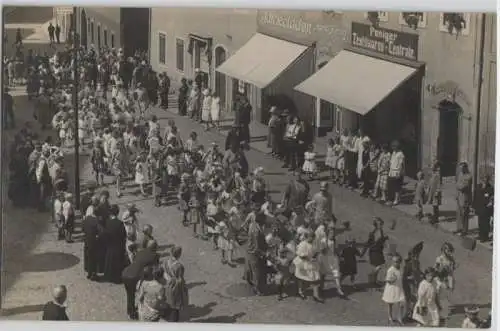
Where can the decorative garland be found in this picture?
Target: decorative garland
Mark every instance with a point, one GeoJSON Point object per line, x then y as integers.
{"type": "Point", "coordinates": [454, 22]}
{"type": "Point", "coordinates": [412, 19]}
{"type": "Point", "coordinates": [373, 17]}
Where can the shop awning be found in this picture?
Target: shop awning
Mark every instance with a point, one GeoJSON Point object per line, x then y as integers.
{"type": "Point", "coordinates": [261, 60]}
{"type": "Point", "coordinates": [356, 82]}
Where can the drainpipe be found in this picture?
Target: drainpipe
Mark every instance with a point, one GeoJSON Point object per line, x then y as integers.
{"type": "Point", "coordinates": [479, 95]}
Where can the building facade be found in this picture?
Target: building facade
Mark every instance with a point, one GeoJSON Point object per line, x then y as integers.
{"type": "Point", "coordinates": [437, 103]}
{"type": "Point", "coordinates": [114, 27]}
{"type": "Point", "coordinates": [185, 39]}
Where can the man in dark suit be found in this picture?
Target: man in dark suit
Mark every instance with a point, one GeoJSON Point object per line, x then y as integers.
{"type": "Point", "coordinates": [55, 310]}
{"type": "Point", "coordinates": [115, 238]}
{"type": "Point", "coordinates": [90, 245]}
{"type": "Point", "coordinates": [58, 33]}
{"type": "Point", "coordinates": [133, 273]}
{"type": "Point", "coordinates": [51, 30]}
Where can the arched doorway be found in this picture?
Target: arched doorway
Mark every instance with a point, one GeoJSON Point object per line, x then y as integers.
{"type": "Point", "coordinates": [448, 144]}
{"type": "Point", "coordinates": [220, 79]}
{"type": "Point", "coordinates": [83, 28]}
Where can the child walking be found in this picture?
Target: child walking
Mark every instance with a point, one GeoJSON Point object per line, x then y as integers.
{"type": "Point", "coordinates": [309, 166]}
{"type": "Point", "coordinates": [225, 242]}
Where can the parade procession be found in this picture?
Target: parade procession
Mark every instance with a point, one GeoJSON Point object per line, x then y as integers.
{"type": "Point", "coordinates": [171, 212]}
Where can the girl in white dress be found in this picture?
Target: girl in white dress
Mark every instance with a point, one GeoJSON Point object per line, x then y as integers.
{"type": "Point", "coordinates": [426, 311]}
{"type": "Point", "coordinates": [307, 267]}
{"type": "Point", "coordinates": [394, 295]}
{"type": "Point", "coordinates": [141, 173]}
{"type": "Point", "coordinates": [309, 166]}
{"type": "Point", "coordinates": [215, 111]}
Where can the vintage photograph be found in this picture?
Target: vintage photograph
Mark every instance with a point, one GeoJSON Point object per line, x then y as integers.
{"type": "Point", "coordinates": [212, 165]}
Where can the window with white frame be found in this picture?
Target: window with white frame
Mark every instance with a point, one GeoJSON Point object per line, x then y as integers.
{"type": "Point", "coordinates": [383, 16]}
{"type": "Point", "coordinates": [413, 19]}
{"type": "Point", "coordinates": [455, 23]}
{"type": "Point", "coordinates": [162, 48]}
{"type": "Point", "coordinates": [179, 53]}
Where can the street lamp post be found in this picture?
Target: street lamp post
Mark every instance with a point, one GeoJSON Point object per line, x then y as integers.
{"type": "Point", "coordinates": [75, 107]}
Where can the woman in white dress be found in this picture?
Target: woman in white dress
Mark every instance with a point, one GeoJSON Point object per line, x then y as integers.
{"type": "Point", "coordinates": [206, 108]}
{"type": "Point", "coordinates": [215, 110]}
{"type": "Point", "coordinates": [394, 295]}
{"type": "Point", "coordinates": [307, 269]}
{"type": "Point", "coordinates": [426, 312]}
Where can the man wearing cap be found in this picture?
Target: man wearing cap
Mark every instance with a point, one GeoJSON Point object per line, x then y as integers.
{"type": "Point", "coordinates": [55, 310]}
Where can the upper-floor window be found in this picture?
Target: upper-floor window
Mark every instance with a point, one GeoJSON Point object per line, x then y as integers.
{"type": "Point", "coordinates": [455, 23]}
{"type": "Point", "coordinates": [179, 52]}
{"type": "Point", "coordinates": [413, 19]}
{"type": "Point", "coordinates": [105, 36]}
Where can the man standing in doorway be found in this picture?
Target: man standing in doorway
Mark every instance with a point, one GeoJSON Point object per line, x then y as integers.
{"type": "Point", "coordinates": [51, 30]}
{"type": "Point", "coordinates": [58, 33]}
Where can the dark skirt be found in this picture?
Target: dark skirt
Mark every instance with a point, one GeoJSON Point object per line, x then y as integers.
{"type": "Point", "coordinates": [376, 257]}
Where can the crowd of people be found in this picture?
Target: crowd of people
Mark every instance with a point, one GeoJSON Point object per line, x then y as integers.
{"type": "Point", "coordinates": [289, 246]}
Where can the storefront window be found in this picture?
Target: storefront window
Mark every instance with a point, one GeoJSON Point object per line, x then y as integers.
{"type": "Point", "coordinates": [162, 48]}
{"type": "Point", "coordinates": [112, 40]}
{"type": "Point", "coordinates": [105, 37]}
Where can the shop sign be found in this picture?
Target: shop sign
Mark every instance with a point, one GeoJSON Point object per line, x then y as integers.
{"type": "Point", "coordinates": [389, 42]}
{"type": "Point", "coordinates": [300, 27]}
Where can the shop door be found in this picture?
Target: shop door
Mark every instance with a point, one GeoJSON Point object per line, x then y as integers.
{"type": "Point", "coordinates": [449, 113]}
